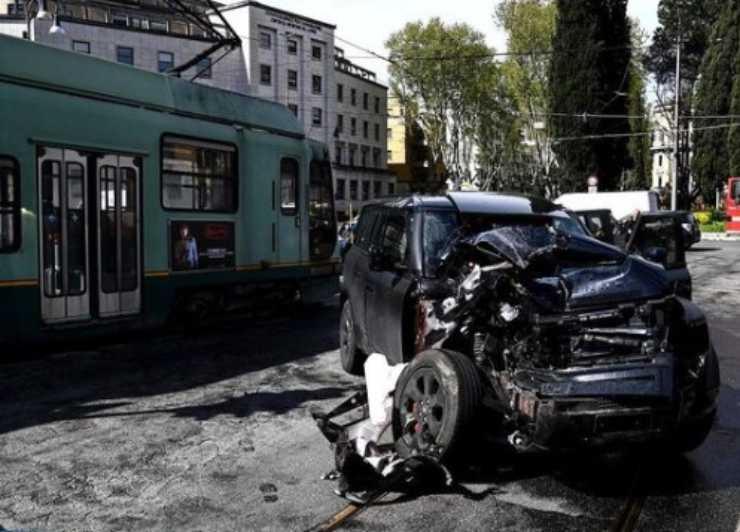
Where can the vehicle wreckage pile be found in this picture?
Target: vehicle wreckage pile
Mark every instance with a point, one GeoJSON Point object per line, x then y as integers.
{"type": "Point", "coordinates": [569, 341]}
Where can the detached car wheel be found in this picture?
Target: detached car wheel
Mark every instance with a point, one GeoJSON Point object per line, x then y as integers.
{"type": "Point", "coordinates": [351, 356]}
{"type": "Point", "coordinates": [436, 397]}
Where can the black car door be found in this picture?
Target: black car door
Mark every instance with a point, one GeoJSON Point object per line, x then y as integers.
{"type": "Point", "coordinates": [388, 284]}
{"type": "Point", "coordinates": [659, 237]}
{"type": "Point", "coordinates": [356, 269]}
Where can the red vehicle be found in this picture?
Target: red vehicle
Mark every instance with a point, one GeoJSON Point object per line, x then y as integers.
{"type": "Point", "coordinates": [733, 204]}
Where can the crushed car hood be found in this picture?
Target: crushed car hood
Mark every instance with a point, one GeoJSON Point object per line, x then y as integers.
{"type": "Point", "coordinates": [632, 279]}
{"type": "Point", "coordinates": [571, 271]}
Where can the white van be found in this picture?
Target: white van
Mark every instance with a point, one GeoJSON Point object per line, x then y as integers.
{"type": "Point", "coordinates": [620, 203]}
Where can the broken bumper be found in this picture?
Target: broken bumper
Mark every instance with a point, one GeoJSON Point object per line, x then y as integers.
{"type": "Point", "coordinates": [591, 407]}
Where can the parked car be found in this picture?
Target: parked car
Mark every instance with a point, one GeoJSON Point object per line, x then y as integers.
{"type": "Point", "coordinates": [491, 300]}
{"type": "Point", "coordinates": [691, 230]}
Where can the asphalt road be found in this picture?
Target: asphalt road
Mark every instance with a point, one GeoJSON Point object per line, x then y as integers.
{"type": "Point", "coordinates": [213, 432]}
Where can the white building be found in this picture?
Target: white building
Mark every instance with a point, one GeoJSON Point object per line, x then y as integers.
{"type": "Point", "coordinates": [147, 35]}
{"type": "Point", "coordinates": [360, 148]}
{"type": "Point", "coordinates": [662, 146]}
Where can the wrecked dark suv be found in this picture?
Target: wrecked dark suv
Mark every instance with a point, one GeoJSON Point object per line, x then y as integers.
{"type": "Point", "coordinates": [503, 302]}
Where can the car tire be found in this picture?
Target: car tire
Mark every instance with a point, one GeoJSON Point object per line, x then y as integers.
{"type": "Point", "coordinates": [436, 397]}
{"type": "Point", "coordinates": [351, 356]}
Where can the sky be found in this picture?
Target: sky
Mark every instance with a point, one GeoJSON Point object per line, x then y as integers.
{"type": "Point", "coordinates": [369, 22]}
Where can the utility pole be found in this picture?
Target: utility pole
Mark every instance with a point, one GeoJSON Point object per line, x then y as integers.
{"type": "Point", "coordinates": [676, 126]}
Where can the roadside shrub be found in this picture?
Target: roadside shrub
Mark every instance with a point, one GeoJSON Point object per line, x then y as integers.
{"type": "Point", "coordinates": [703, 217]}
{"type": "Point", "coordinates": [713, 227]}
{"type": "Point", "coordinates": [718, 216]}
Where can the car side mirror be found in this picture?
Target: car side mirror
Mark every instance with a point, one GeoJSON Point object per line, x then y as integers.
{"type": "Point", "coordinates": [656, 254]}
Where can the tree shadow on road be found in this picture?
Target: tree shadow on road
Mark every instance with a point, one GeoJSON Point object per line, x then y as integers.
{"type": "Point", "coordinates": [58, 385]}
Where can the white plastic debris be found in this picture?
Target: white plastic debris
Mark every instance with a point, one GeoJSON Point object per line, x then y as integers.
{"type": "Point", "coordinates": [380, 380]}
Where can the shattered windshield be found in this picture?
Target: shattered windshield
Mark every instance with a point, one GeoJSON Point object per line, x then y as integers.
{"type": "Point", "coordinates": [440, 229]}
{"type": "Point", "coordinates": [520, 243]}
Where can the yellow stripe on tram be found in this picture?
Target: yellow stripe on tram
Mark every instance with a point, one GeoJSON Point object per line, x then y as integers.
{"type": "Point", "coordinates": [18, 282]}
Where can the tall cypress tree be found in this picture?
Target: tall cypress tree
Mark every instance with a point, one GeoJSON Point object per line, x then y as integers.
{"type": "Point", "coordinates": [590, 74]}
{"type": "Point", "coordinates": [711, 161]}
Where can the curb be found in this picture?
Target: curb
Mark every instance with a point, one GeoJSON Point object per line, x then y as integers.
{"type": "Point", "coordinates": [721, 237]}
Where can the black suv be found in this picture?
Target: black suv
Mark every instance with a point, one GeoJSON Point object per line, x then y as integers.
{"type": "Point", "coordinates": [505, 301]}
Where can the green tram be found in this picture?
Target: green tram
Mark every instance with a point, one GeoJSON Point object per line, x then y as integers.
{"type": "Point", "coordinates": [129, 197]}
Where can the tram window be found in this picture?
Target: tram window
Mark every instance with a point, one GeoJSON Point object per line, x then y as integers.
{"type": "Point", "coordinates": [129, 241]}
{"type": "Point", "coordinates": [10, 207]}
{"type": "Point", "coordinates": [289, 187]}
{"type": "Point", "coordinates": [322, 225]}
{"type": "Point", "coordinates": [198, 175]}
{"type": "Point", "coordinates": [76, 252]}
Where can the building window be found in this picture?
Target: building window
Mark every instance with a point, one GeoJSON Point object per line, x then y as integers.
{"type": "Point", "coordinates": [125, 55]}
{"type": "Point", "coordinates": [377, 105]}
{"type": "Point", "coordinates": [316, 116]}
{"type": "Point", "coordinates": [316, 84]}
{"type": "Point", "coordinates": [353, 96]}
{"type": "Point", "coordinates": [365, 98]}
{"type": "Point", "coordinates": [292, 46]}
{"type": "Point", "coordinates": [118, 19]}
{"type": "Point", "coordinates": [178, 27]}
{"type": "Point", "coordinates": [660, 160]}
{"type": "Point", "coordinates": [339, 194]}
{"type": "Point", "coordinates": [353, 126]}
{"type": "Point", "coordinates": [266, 74]}
{"type": "Point", "coordinates": [198, 175]}
{"type": "Point", "coordinates": [288, 187]}
{"type": "Point", "coordinates": [389, 133]}
{"type": "Point", "coordinates": [81, 46]}
{"type": "Point", "coordinates": [352, 150]}
{"type": "Point", "coordinates": [376, 158]}
{"type": "Point", "coordinates": [377, 132]}
{"type": "Point", "coordinates": [340, 92]}
{"type": "Point", "coordinates": [138, 23]}
{"type": "Point", "coordinates": [97, 14]}
{"type": "Point", "coordinates": [203, 68]}
{"type": "Point", "coordinates": [265, 40]}
{"type": "Point", "coordinates": [353, 190]}
{"type": "Point", "coordinates": [316, 52]}
{"type": "Point", "coordinates": [338, 154]}
{"type": "Point", "coordinates": [293, 108]}
{"type": "Point", "coordinates": [364, 157]}
{"type": "Point", "coordinates": [292, 79]}
{"type": "Point", "coordinates": [10, 205]}
{"type": "Point", "coordinates": [165, 61]}
{"type": "Point", "coordinates": [389, 154]}
{"type": "Point", "coordinates": [340, 123]}
{"type": "Point", "coordinates": [377, 191]}
{"type": "Point", "coordinates": [158, 25]}
{"type": "Point", "coordinates": [365, 128]}
{"type": "Point", "coordinates": [391, 189]}
{"type": "Point", "coordinates": [365, 190]}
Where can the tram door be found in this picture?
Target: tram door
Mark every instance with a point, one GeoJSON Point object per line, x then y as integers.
{"type": "Point", "coordinates": [64, 238]}
{"type": "Point", "coordinates": [118, 240]}
{"type": "Point", "coordinates": [89, 235]}
{"type": "Point", "coordinates": [289, 226]}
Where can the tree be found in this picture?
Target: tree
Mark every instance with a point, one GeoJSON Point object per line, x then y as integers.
{"type": "Point", "coordinates": [714, 95]}
{"type": "Point", "coordinates": [441, 73]}
{"type": "Point", "coordinates": [693, 21]}
{"type": "Point", "coordinates": [589, 73]}
{"type": "Point", "coordinates": [638, 147]}
{"type": "Point", "coordinates": [529, 158]}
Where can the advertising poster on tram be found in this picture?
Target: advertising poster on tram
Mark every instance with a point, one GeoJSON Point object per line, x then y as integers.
{"type": "Point", "coordinates": [201, 245]}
